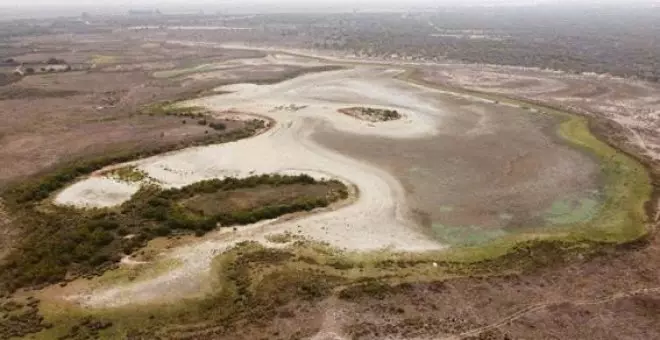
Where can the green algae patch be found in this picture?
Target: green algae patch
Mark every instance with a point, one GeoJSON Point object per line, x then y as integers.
{"type": "Point", "coordinates": [627, 187]}
{"type": "Point", "coordinates": [465, 235]}
{"type": "Point", "coordinates": [567, 211]}
{"type": "Point", "coordinates": [615, 215]}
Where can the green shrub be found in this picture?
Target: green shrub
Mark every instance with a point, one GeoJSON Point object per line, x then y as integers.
{"type": "Point", "coordinates": [218, 126]}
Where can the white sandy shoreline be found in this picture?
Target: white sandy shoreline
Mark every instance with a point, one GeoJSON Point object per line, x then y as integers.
{"type": "Point", "coordinates": [378, 219]}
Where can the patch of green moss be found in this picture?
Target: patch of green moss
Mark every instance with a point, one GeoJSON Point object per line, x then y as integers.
{"type": "Point", "coordinates": [465, 235]}
{"type": "Point", "coordinates": [570, 211]}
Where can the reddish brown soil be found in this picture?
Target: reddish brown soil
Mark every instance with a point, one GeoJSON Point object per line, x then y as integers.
{"type": "Point", "coordinates": [62, 116]}
{"type": "Point", "coordinates": [602, 298]}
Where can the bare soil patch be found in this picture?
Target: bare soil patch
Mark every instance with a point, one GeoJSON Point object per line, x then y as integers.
{"type": "Point", "coordinates": [33, 93]}
{"type": "Point", "coordinates": [260, 196]}
{"type": "Point", "coordinates": [580, 299]}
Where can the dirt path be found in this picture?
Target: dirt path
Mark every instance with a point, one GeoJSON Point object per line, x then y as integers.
{"type": "Point", "coordinates": [540, 306]}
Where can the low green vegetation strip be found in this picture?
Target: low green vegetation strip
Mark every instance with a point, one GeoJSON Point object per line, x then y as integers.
{"type": "Point", "coordinates": [255, 285]}
{"type": "Point", "coordinates": [628, 186]}
{"type": "Point", "coordinates": [67, 242]}
{"type": "Point", "coordinates": [199, 115]}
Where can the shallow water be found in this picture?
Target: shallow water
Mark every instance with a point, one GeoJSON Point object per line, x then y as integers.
{"type": "Point", "coordinates": [491, 171]}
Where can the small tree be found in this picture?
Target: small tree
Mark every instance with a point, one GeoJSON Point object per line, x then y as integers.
{"type": "Point", "coordinates": [218, 126]}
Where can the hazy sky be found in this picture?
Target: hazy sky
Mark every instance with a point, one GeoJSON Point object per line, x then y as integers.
{"type": "Point", "coordinates": [72, 6]}
{"type": "Point", "coordinates": [297, 3]}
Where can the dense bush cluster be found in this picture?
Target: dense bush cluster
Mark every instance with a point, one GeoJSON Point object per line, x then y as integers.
{"type": "Point", "coordinates": [20, 318]}
{"type": "Point", "coordinates": [162, 206]}
{"type": "Point", "coordinates": [218, 126]}
{"type": "Point", "coordinates": [372, 114]}
{"type": "Point", "coordinates": [380, 114]}
{"type": "Point", "coordinates": [169, 108]}
{"type": "Point", "coordinates": [87, 328]}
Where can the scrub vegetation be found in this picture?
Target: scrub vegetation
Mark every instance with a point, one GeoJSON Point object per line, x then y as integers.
{"type": "Point", "coordinates": [261, 285]}
{"type": "Point", "coordinates": [66, 243]}
{"type": "Point", "coordinates": [130, 174]}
